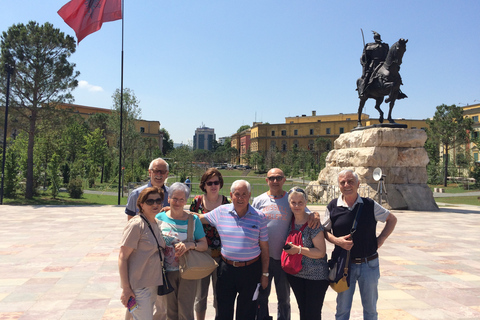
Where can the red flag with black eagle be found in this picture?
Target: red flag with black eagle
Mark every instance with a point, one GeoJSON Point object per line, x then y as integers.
{"type": "Point", "coordinates": [87, 16]}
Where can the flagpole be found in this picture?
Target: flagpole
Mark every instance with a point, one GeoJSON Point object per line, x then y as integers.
{"type": "Point", "coordinates": [121, 113]}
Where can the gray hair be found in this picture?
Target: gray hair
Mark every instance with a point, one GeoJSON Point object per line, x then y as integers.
{"type": "Point", "coordinates": [237, 183]}
{"type": "Point", "coordinates": [297, 190]}
{"type": "Point", "coordinates": [344, 172]}
{"type": "Point", "coordinates": [158, 160]}
{"type": "Point", "coordinates": [178, 186]}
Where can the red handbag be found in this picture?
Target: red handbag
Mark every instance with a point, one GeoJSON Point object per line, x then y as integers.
{"type": "Point", "coordinates": [292, 263]}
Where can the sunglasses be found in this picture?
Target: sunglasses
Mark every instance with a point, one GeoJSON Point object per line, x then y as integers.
{"type": "Point", "coordinates": [277, 178]}
{"type": "Point", "coordinates": [150, 202]}
{"type": "Point", "coordinates": [297, 190]}
{"type": "Point", "coordinates": [211, 183]}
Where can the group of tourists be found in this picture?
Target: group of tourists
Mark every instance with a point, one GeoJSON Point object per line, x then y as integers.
{"type": "Point", "coordinates": [247, 242]}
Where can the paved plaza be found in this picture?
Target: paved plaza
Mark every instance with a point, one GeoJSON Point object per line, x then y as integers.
{"type": "Point", "coordinates": [60, 262]}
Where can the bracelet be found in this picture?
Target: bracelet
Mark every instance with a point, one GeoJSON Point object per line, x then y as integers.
{"type": "Point", "coordinates": [195, 245]}
{"type": "Point", "coordinates": [300, 251]}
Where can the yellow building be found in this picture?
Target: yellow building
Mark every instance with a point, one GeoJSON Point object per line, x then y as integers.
{"type": "Point", "coordinates": [146, 128]}
{"type": "Point", "coordinates": [473, 112]}
{"type": "Point", "coordinates": [302, 131]}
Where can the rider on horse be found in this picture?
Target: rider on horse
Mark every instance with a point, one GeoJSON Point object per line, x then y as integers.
{"type": "Point", "coordinates": [374, 53]}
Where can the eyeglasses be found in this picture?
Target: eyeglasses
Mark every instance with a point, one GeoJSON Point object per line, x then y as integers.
{"type": "Point", "coordinates": [277, 178]}
{"type": "Point", "coordinates": [150, 202]}
{"type": "Point", "coordinates": [159, 171]}
{"type": "Point", "coordinates": [211, 183]}
{"type": "Point", "coordinates": [296, 189]}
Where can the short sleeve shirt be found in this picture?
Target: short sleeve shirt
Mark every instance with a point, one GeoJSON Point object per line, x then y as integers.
{"type": "Point", "coordinates": [144, 269]}
{"type": "Point", "coordinates": [240, 235]}
{"type": "Point", "coordinates": [175, 231]}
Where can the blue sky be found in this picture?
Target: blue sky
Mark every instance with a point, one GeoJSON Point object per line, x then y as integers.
{"type": "Point", "coordinates": [228, 63]}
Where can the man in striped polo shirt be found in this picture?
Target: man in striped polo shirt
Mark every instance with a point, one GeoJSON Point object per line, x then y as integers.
{"type": "Point", "coordinates": [245, 256]}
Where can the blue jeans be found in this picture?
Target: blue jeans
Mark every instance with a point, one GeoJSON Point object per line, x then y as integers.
{"type": "Point", "coordinates": [282, 288]}
{"type": "Point", "coordinates": [367, 275]}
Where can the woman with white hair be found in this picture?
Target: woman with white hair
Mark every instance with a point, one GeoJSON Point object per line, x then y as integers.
{"type": "Point", "coordinates": [310, 284]}
{"type": "Point", "coordinates": [174, 230]}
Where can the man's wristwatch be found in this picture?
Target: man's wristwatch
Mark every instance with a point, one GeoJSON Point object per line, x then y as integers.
{"type": "Point", "coordinates": [266, 274]}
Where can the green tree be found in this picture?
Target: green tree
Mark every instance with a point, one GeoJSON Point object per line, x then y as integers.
{"type": "Point", "coordinates": [95, 147]}
{"type": "Point", "coordinates": [182, 162]}
{"type": "Point", "coordinates": [132, 144]}
{"type": "Point", "coordinates": [53, 172]}
{"type": "Point", "coordinates": [449, 129]}
{"type": "Point", "coordinates": [43, 77]}
{"type": "Point", "coordinates": [242, 128]}
{"type": "Point", "coordinates": [167, 142]}
{"type": "Point", "coordinates": [12, 168]}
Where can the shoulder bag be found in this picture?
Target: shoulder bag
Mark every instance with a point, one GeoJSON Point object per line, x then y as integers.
{"type": "Point", "coordinates": [292, 263]}
{"type": "Point", "coordinates": [194, 265]}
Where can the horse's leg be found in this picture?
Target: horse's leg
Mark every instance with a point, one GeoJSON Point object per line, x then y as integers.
{"type": "Point", "coordinates": [392, 103]}
{"type": "Point", "coordinates": [360, 109]}
{"type": "Point", "coordinates": [377, 106]}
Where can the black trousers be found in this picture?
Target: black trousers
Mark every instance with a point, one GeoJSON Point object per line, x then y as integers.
{"type": "Point", "coordinates": [310, 295]}
{"type": "Point", "coordinates": [233, 281]}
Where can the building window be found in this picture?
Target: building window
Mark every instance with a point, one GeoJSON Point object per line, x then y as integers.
{"type": "Point", "coordinates": [475, 118]}
{"type": "Point", "coordinates": [311, 131]}
{"type": "Point", "coordinates": [295, 144]}
{"type": "Point", "coordinates": [284, 132]}
{"type": "Point", "coordinates": [348, 119]}
{"type": "Point", "coordinates": [273, 145]}
{"type": "Point", "coordinates": [273, 133]}
{"type": "Point", "coordinates": [284, 145]}
{"type": "Point", "coordinates": [475, 157]}
{"type": "Point", "coordinates": [474, 134]}
{"type": "Point", "coordinates": [310, 144]}
{"type": "Point", "coordinates": [328, 131]}
{"type": "Point", "coordinates": [342, 130]}
{"type": "Point", "coordinates": [295, 132]}
{"type": "Point", "coordinates": [142, 130]}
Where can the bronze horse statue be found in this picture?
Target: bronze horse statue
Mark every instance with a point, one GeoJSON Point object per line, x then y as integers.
{"type": "Point", "coordinates": [385, 81]}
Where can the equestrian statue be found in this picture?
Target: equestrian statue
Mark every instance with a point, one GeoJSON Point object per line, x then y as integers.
{"type": "Point", "coordinates": [380, 76]}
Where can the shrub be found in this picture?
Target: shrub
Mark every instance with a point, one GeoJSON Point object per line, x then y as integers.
{"type": "Point", "coordinates": [75, 188]}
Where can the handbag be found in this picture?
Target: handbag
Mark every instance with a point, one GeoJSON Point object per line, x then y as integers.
{"type": "Point", "coordinates": [292, 263]}
{"type": "Point", "coordinates": [338, 275]}
{"type": "Point", "coordinates": [166, 287]}
{"type": "Point", "coordinates": [195, 265]}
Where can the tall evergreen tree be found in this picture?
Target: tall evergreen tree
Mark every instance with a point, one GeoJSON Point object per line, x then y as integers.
{"type": "Point", "coordinates": [43, 77]}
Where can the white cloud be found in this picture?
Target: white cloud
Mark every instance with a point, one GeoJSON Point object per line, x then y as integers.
{"type": "Point", "coordinates": [82, 84]}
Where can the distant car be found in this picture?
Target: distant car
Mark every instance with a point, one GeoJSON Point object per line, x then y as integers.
{"type": "Point", "coordinates": [247, 167]}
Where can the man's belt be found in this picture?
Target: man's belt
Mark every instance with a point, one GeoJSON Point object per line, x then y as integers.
{"type": "Point", "coordinates": [240, 263]}
{"type": "Point", "coordinates": [363, 260]}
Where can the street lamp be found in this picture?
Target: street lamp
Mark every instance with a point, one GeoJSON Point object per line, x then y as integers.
{"type": "Point", "coordinates": [9, 69]}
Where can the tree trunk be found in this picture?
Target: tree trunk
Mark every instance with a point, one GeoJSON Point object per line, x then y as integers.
{"type": "Point", "coordinates": [445, 169]}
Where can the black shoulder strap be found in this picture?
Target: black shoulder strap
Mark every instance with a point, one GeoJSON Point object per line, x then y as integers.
{"type": "Point", "coordinates": [158, 244]}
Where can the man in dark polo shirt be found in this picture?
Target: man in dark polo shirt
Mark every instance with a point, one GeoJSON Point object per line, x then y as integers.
{"type": "Point", "coordinates": [363, 244]}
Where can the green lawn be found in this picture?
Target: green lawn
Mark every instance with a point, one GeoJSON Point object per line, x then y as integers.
{"type": "Point", "coordinates": [469, 200]}
{"type": "Point", "coordinates": [64, 199]}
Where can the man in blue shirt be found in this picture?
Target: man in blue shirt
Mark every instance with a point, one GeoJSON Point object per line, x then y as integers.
{"type": "Point", "coordinates": [158, 172]}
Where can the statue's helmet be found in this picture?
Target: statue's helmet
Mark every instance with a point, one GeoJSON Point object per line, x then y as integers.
{"type": "Point", "coordinates": [376, 36]}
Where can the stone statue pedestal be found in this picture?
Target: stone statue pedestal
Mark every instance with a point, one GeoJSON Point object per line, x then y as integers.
{"type": "Point", "coordinates": [398, 152]}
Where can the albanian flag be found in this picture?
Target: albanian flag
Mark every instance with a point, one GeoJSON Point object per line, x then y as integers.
{"type": "Point", "coordinates": [87, 16]}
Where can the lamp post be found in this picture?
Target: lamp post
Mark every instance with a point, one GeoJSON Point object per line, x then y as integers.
{"type": "Point", "coordinates": [9, 69]}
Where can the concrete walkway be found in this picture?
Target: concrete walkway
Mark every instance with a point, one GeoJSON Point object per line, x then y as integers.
{"type": "Point", "coordinates": [60, 262]}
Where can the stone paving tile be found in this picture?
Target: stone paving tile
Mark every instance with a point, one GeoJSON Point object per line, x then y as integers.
{"type": "Point", "coordinates": [60, 262]}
